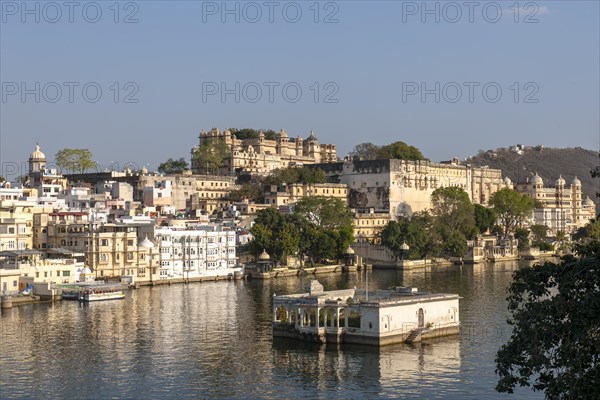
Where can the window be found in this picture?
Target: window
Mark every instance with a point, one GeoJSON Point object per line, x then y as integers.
{"type": "Point", "coordinates": [66, 273]}
{"type": "Point", "coordinates": [104, 242]}
{"type": "Point", "coordinates": [130, 256]}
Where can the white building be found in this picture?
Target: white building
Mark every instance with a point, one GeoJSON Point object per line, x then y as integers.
{"type": "Point", "coordinates": [196, 252]}
{"type": "Point", "coordinates": [377, 318]}
{"type": "Point", "coordinates": [560, 207]}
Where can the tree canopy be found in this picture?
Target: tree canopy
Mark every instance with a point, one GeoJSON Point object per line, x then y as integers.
{"type": "Point", "coordinates": [296, 175]}
{"type": "Point", "coordinates": [210, 155]}
{"type": "Point", "coordinates": [484, 218]}
{"type": "Point", "coordinates": [74, 160]}
{"type": "Point", "coordinates": [396, 150]}
{"type": "Point", "coordinates": [320, 228]}
{"type": "Point", "coordinates": [591, 231]}
{"type": "Point", "coordinates": [172, 166]}
{"type": "Point", "coordinates": [326, 212]}
{"type": "Point", "coordinates": [249, 133]}
{"type": "Point", "coordinates": [417, 231]}
{"type": "Point", "coordinates": [555, 314]}
{"type": "Point", "coordinates": [511, 209]}
{"type": "Point", "coordinates": [402, 151]}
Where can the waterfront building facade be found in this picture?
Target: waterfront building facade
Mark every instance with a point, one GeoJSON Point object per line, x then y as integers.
{"type": "Point", "coordinates": [401, 187]}
{"type": "Point", "coordinates": [379, 317]}
{"type": "Point", "coordinates": [560, 207]}
{"type": "Point", "coordinates": [196, 252]}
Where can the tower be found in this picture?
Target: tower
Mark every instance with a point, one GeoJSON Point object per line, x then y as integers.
{"type": "Point", "coordinates": [37, 161]}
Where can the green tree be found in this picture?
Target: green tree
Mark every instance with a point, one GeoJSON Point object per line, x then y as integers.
{"type": "Point", "coordinates": [325, 212]}
{"type": "Point", "coordinates": [554, 345]}
{"type": "Point", "coordinates": [366, 151]}
{"type": "Point", "coordinates": [539, 232]}
{"type": "Point", "coordinates": [172, 166]}
{"type": "Point", "coordinates": [249, 133]}
{"type": "Point", "coordinates": [454, 244]}
{"type": "Point", "coordinates": [210, 155]}
{"type": "Point", "coordinates": [453, 209]}
{"type": "Point", "coordinates": [522, 235]}
{"type": "Point", "coordinates": [74, 160]}
{"type": "Point", "coordinates": [484, 218]}
{"type": "Point", "coordinates": [591, 231]}
{"type": "Point", "coordinates": [418, 232]}
{"type": "Point", "coordinates": [274, 233]}
{"type": "Point", "coordinates": [400, 150]}
{"type": "Point", "coordinates": [250, 191]}
{"type": "Point", "coordinates": [511, 209]}
{"type": "Point", "coordinates": [296, 175]}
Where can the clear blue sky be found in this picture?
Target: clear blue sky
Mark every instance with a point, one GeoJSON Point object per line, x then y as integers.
{"type": "Point", "coordinates": [371, 56]}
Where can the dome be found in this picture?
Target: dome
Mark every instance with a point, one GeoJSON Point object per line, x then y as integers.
{"type": "Point", "coordinates": [589, 202]}
{"type": "Point", "coordinates": [261, 135]}
{"type": "Point", "coordinates": [37, 154]}
{"type": "Point", "coordinates": [560, 181]}
{"type": "Point", "coordinates": [349, 251]}
{"type": "Point", "coordinates": [144, 171]}
{"type": "Point", "coordinates": [537, 180]}
{"type": "Point", "coordinates": [507, 181]}
{"type": "Point", "coordinates": [264, 256]}
{"type": "Point", "coordinates": [146, 243]}
{"type": "Point", "coordinates": [312, 136]}
{"type": "Point", "coordinates": [283, 134]}
{"type": "Point", "coordinates": [575, 182]}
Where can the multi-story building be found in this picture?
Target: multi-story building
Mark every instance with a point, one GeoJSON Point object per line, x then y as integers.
{"type": "Point", "coordinates": [111, 249]}
{"type": "Point", "coordinates": [16, 221]}
{"type": "Point", "coordinates": [288, 194]}
{"type": "Point", "coordinates": [368, 225]}
{"type": "Point", "coordinates": [44, 267]}
{"type": "Point", "coordinates": [561, 207]}
{"type": "Point", "coordinates": [261, 156]}
{"type": "Point", "coordinates": [195, 252]}
{"type": "Point", "coordinates": [403, 187]}
{"type": "Point", "coordinates": [190, 191]}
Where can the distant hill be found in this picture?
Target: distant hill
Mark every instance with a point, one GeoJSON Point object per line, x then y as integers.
{"type": "Point", "coordinates": [520, 162]}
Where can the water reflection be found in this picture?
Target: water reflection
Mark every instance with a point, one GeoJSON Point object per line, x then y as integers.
{"type": "Point", "coordinates": [213, 340]}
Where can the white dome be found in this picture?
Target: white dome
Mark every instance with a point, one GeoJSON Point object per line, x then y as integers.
{"type": "Point", "coordinates": [37, 154]}
{"type": "Point", "coordinates": [575, 182]}
{"type": "Point", "coordinates": [507, 181]}
{"type": "Point", "coordinates": [589, 202]}
{"type": "Point", "coordinates": [264, 256]}
{"type": "Point", "coordinates": [538, 180]}
{"type": "Point", "coordinates": [560, 181]}
{"type": "Point", "coordinates": [146, 243]}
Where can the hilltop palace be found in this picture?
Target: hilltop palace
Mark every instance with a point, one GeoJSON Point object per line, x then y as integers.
{"type": "Point", "coordinates": [260, 156]}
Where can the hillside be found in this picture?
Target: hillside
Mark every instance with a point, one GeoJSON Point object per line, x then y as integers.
{"type": "Point", "coordinates": [519, 162]}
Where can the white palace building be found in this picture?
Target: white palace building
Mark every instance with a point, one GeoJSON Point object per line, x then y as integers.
{"type": "Point", "coordinates": [196, 252]}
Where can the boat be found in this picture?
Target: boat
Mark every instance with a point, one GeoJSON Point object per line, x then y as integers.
{"type": "Point", "coordinates": [101, 293]}
{"type": "Point", "coordinates": [88, 292]}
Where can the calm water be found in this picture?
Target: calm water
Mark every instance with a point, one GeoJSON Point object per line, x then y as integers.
{"type": "Point", "coordinates": [213, 340]}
